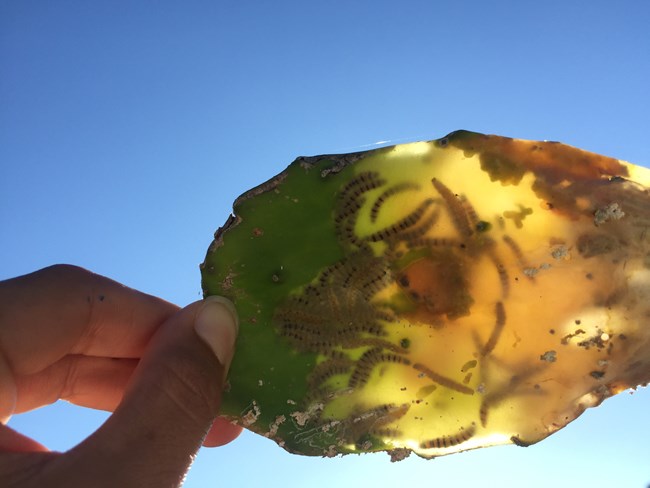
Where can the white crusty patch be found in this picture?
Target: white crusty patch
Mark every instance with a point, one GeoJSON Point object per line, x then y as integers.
{"type": "Point", "coordinates": [302, 418]}
{"type": "Point", "coordinates": [609, 212]}
{"type": "Point", "coordinates": [273, 428]}
{"type": "Point", "coordinates": [251, 416]}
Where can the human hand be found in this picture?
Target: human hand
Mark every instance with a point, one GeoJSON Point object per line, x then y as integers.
{"type": "Point", "coordinates": [66, 333]}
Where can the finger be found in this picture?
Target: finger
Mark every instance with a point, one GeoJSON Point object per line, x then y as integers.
{"type": "Point", "coordinates": [97, 383]}
{"type": "Point", "coordinates": [65, 309]}
{"type": "Point", "coordinates": [87, 381]}
{"type": "Point", "coordinates": [169, 406]}
{"type": "Point", "coordinates": [21, 458]}
{"type": "Point", "coordinates": [12, 441]}
{"type": "Point", "coordinates": [222, 432]}
{"type": "Point", "coordinates": [8, 392]}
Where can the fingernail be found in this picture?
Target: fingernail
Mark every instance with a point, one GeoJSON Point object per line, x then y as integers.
{"type": "Point", "coordinates": [217, 324]}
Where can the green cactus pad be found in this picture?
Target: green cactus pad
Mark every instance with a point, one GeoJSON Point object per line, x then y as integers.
{"type": "Point", "coordinates": [434, 297]}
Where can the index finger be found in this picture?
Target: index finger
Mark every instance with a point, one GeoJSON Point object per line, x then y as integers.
{"type": "Point", "coordinates": [65, 309]}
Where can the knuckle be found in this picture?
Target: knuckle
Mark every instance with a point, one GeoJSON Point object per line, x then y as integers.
{"type": "Point", "coordinates": [192, 383]}
{"type": "Point", "coordinates": [66, 270]}
{"type": "Point", "coordinates": [70, 377]}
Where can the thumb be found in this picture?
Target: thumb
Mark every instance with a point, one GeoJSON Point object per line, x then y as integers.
{"type": "Point", "coordinates": [170, 404]}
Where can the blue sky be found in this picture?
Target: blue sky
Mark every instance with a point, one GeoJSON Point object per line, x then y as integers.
{"type": "Point", "coordinates": [126, 131]}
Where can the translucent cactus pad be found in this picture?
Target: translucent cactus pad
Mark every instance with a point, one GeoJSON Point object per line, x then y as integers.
{"type": "Point", "coordinates": [435, 297]}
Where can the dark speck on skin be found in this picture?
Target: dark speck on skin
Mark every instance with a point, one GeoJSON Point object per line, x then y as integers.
{"type": "Point", "coordinates": [101, 298]}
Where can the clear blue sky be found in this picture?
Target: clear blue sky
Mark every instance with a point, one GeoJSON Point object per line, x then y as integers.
{"type": "Point", "coordinates": [126, 131]}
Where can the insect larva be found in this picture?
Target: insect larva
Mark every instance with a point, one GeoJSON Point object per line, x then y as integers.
{"type": "Point", "coordinates": [354, 331]}
{"type": "Point", "coordinates": [310, 292]}
{"type": "Point", "coordinates": [456, 209]}
{"type": "Point", "coordinates": [300, 332]}
{"type": "Point", "coordinates": [356, 342]}
{"type": "Point", "coordinates": [330, 272]}
{"type": "Point", "coordinates": [358, 378]}
{"type": "Point", "coordinates": [301, 329]}
{"type": "Point", "coordinates": [335, 274]}
{"type": "Point", "coordinates": [338, 355]}
{"type": "Point", "coordinates": [348, 208]}
{"type": "Point", "coordinates": [386, 315]}
{"type": "Point", "coordinates": [367, 362]}
{"type": "Point", "coordinates": [503, 275]}
{"type": "Point", "coordinates": [346, 216]}
{"type": "Point", "coordinates": [367, 274]}
{"type": "Point", "coordinates": [380, 415]}
{"type": "Point", "coordinates": [417, 232]}
{"type": "Point", "coordinates": [349, 204]}
{"type": "Point", "coordinates": [376, 342]}
{"type": "Point", "coordinates": [350, 198]}
{"type": "Point", "coordinates": [388, 414]}
{"type": "Point", "coordinates": [320, 395]}
{"type": "Point", "coordinates": [305, 339]}
{"type": "Point", "coordinates": [500, 313]}
{"type": "Point", "coordinates": [483, 412]}
{"type": "Point", "coordinates": [351, 271]}
{"type": "Point", "coordinates": [302, 300]}
{"type": "Point", "coordinates": [434, 242]}
{"type": "Point", "coordinates": [375, 283]}
{"type": "Point", "coordinates": [367, 179]}
{"type": "Point", "coordinates": [325, 347]}
{"type": "Point", "coordinates": [294, 312]}
{"type": "Point", "coordinates": [408, 221]}
{"type": "Point", "coordinates": [516, 250]}
{"type": "Point", "coordinates": [393, 190]}
{"type": "Point", "coordinates": [443, 380]}
{"type": "Point", "coordinates": [327, 369]}
{"type": "Point", "coordinates": [451, 440]}
{"type": "Point", "coordinates": [363, 368]}
{"type": "Point", "coordinates": [370, 326]}
{"type": "Point", "coordinates": [393, 358]}
{"type": "Point", "coordinates": [347, 234]}
{"type": "Point", "coordinates": [470, 212]}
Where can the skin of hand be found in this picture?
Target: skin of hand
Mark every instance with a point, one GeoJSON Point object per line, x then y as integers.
{"type": "Point", "coordinates": [66, 333]}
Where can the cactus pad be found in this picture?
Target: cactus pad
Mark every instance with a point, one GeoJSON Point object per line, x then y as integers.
{"type": "Point", "coordinates": [435, 297]}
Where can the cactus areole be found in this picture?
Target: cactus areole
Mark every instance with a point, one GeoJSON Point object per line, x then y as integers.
{"type": "Point", "coordinates": [435, 297]}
